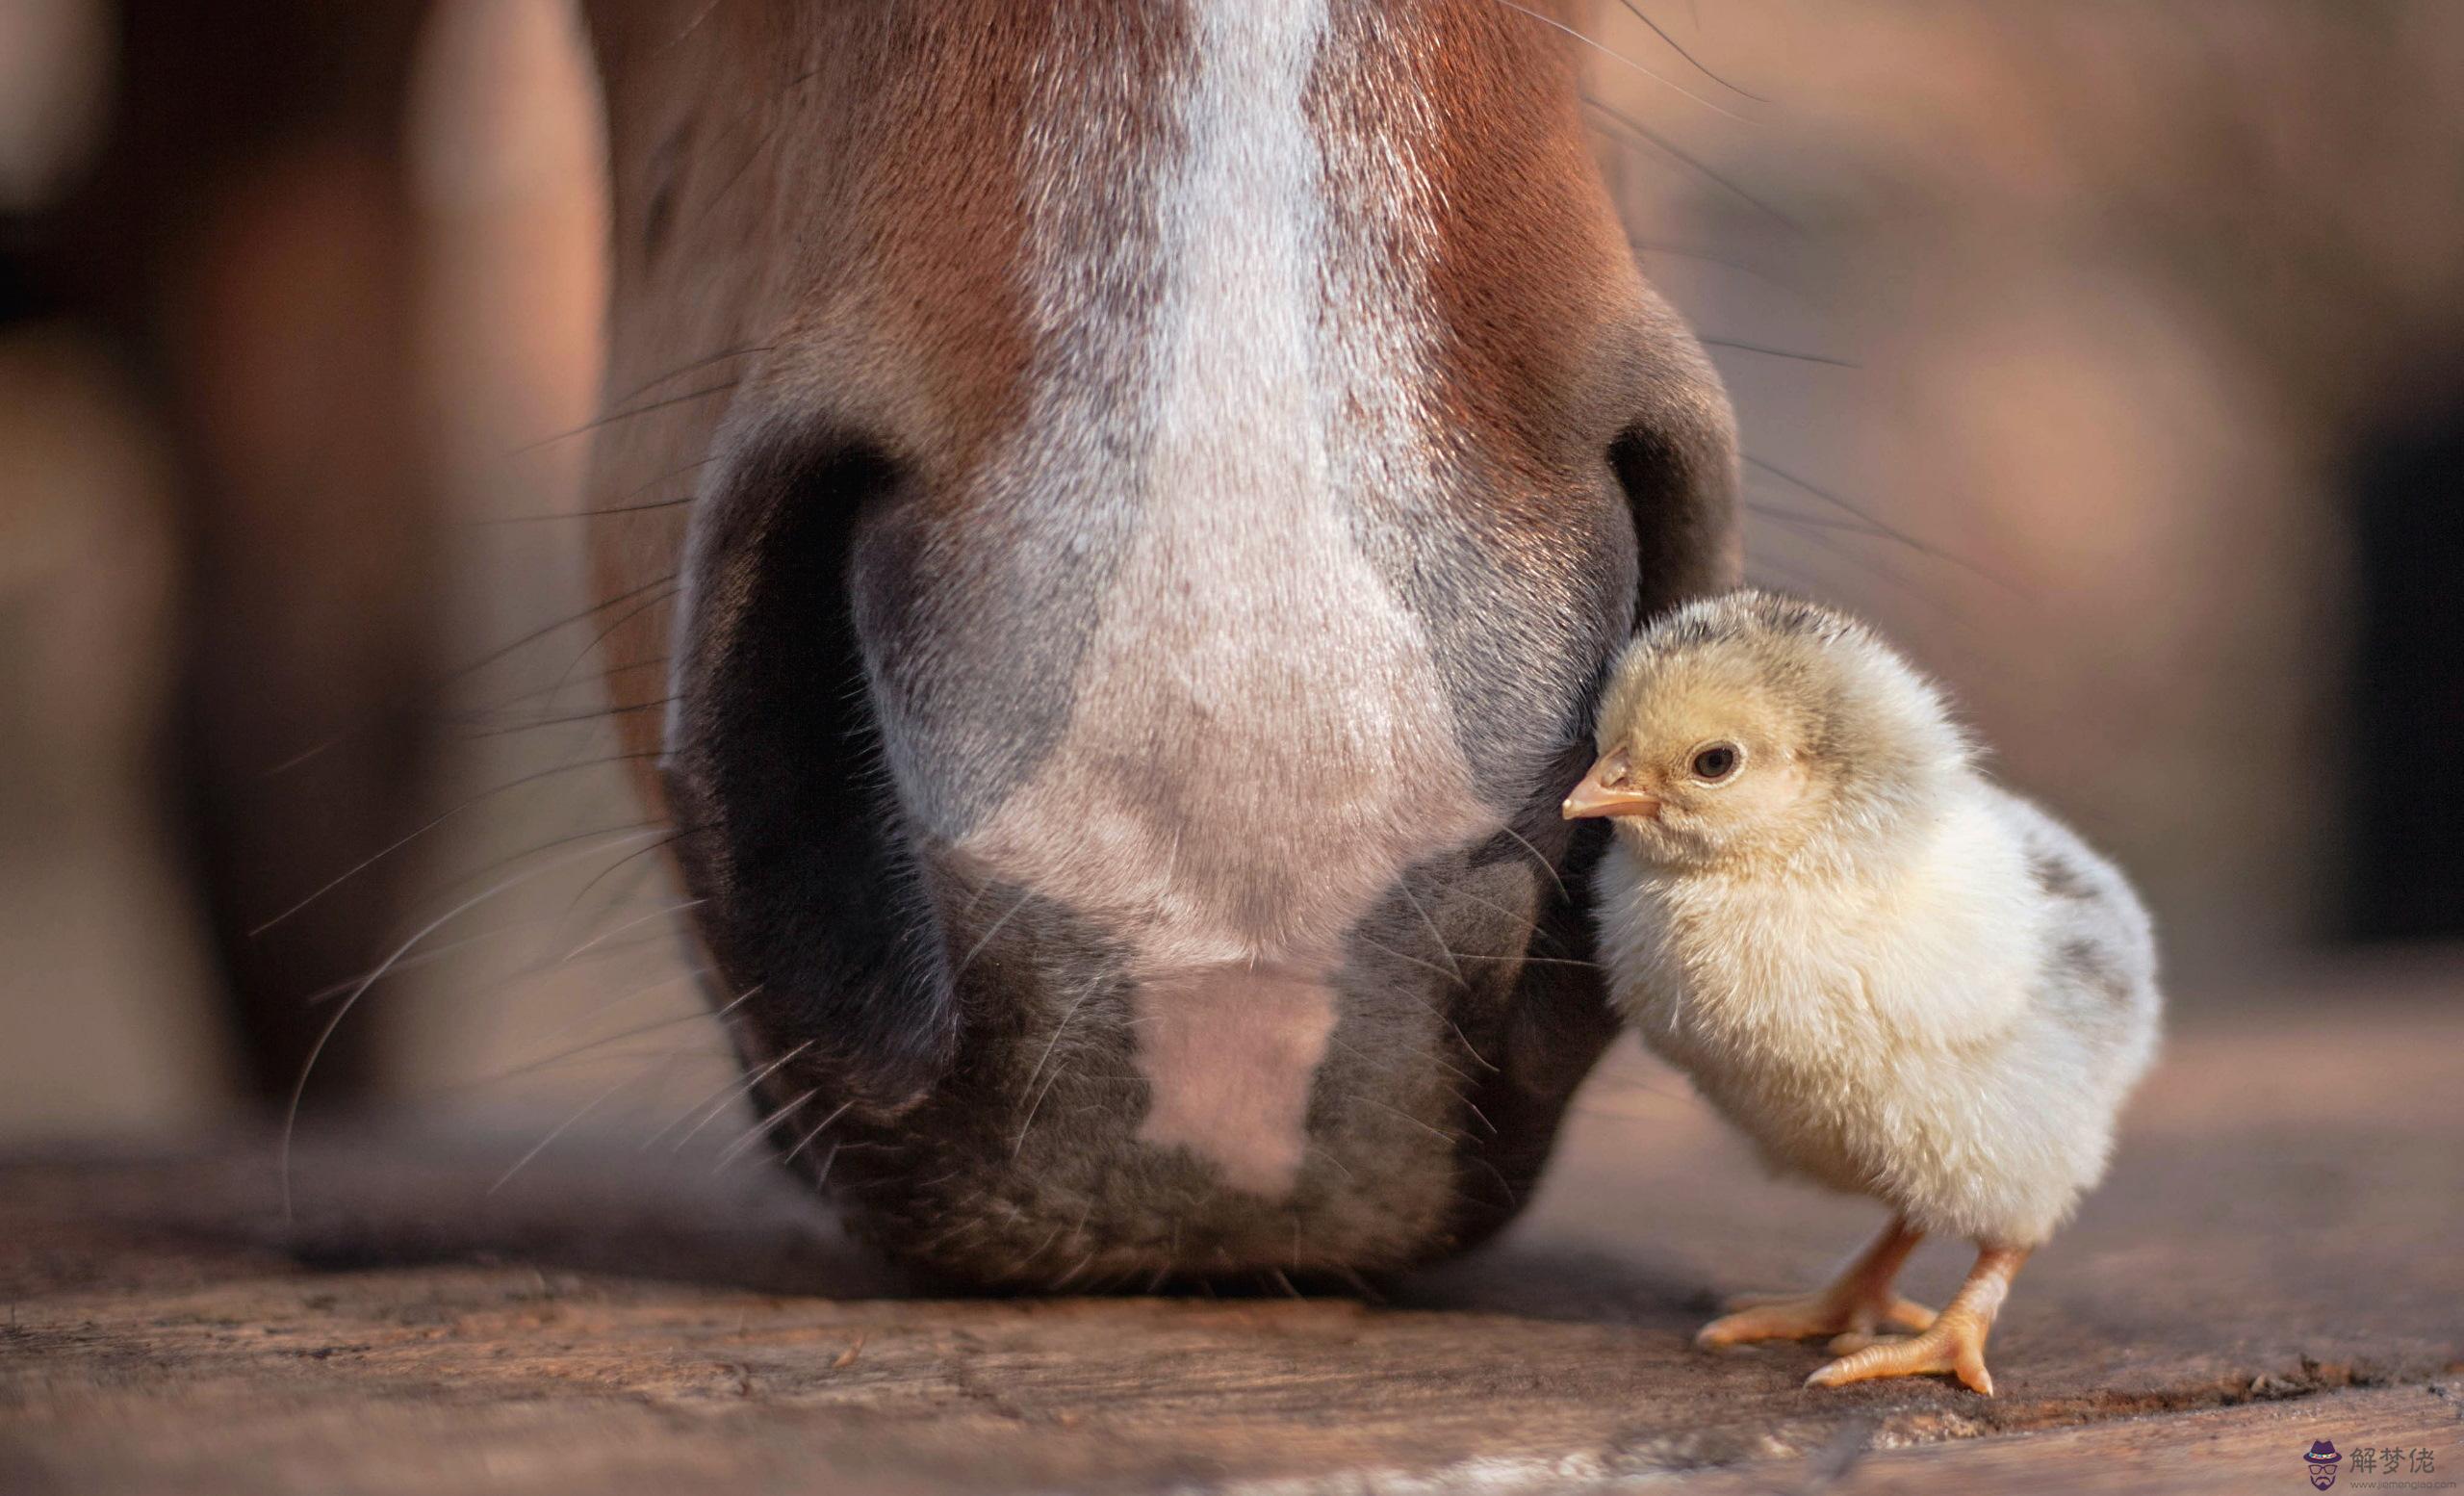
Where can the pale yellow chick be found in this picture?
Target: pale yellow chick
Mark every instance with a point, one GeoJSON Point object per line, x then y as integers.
{"type": "Point", "coordinates": [1897, 978]}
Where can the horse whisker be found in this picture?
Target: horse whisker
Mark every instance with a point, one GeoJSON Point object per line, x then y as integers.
{"type": "Point", "coordinates": [300, 1090]}
{"type": "Point", "coordinates": [1614, 55]}
{"type": "Point", "coordinates": [1636, 12]}
{"type": "Point", "coordinates": [559, 1130]}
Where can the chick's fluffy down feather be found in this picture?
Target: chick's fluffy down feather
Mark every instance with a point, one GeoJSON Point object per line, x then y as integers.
{"type": "Point", "coordinates": [1950, 1028]}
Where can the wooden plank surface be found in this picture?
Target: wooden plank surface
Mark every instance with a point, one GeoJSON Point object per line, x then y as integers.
{"type": "Point", "coordinates": [2274, 1260]}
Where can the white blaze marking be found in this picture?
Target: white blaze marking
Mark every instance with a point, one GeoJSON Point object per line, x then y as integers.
{"type": "Point", "coordinates": [1259, 741]}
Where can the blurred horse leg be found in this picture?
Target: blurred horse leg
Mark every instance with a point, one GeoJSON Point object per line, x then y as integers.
{"type": "Point", "coordinates": [248, 240]}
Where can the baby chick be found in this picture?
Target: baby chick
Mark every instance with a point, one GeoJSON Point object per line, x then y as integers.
{"type": "Point", "coordinates": [1898, 979]}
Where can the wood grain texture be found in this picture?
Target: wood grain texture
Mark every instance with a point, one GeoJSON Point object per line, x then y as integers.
{"type": "Point", "coordinates": [2274, 1261]}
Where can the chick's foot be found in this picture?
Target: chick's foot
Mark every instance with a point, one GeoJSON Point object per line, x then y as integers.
{"type": "Point", "coordinates": [1805, 1316]}
{"type": "Point", "coordinates": [1955, 1344]}
{"type": "Point", "coordinates": [1859, 1301]}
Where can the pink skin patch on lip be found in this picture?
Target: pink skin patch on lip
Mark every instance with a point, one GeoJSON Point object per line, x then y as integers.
{"type": "Point", "coordinates": [1229, 1054]}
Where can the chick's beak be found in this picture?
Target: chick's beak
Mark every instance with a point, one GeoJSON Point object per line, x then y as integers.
{"type": "Point", "coordinates": [1606, 790]}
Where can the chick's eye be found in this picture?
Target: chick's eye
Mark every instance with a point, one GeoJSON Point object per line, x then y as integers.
{"type": "Point", "coordinates": [1717, 761]}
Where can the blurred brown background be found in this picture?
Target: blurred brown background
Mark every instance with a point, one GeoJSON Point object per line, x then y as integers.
{"type": "Point", "coordinates": [2111, 356]}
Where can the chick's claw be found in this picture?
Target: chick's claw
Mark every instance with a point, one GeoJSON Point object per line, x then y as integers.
{"type": "Point", "coordinates": [1855, 1340]}
{"type": "Point", "coordinates": [1953, 1347]}
{"type": "Point", "coordinates": [1955, 1342]}
{"type": "Point", "coordinates": [1805, 1316]}
{"type": "Point", "coordinates": [1855, 1305]}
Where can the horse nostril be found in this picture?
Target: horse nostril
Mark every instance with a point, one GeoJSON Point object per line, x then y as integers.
{"type": "Point", "coordinates": [772, 757]}
{"type": "Point", "coordinates": [1680, 480]}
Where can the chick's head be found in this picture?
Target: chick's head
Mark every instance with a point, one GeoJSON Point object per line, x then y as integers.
{"type": "Point", "coordinates": [1753, 726]}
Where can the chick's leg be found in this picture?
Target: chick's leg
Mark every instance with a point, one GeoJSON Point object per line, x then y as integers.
{"type": "Point", "coordinates": [1856, 1303]}
{"type": "Point", "coordinates": [1955, 1344]}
